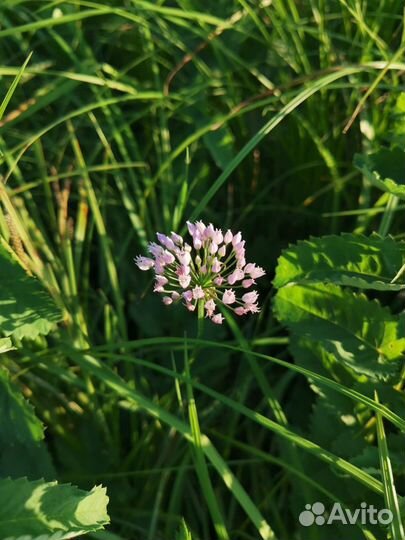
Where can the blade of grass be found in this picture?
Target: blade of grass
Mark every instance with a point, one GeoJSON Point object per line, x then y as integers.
{"type": "Point", "coordinates": [71, 17]}
{"type": "Point", "coordinates": [84, 110]}
{"type": "Point", "coordinates": [113, 381]}
{"type": "Point", "coordinates": [102, 232]}
{"type": "Point", "coordinates": [353, 394]}
{"type": "Point", "coordinates": [263, 455]}
{"type": "Point", "coordinates": [13, 86]}
{"type": "Point", "coordinates": [272, 400]}
{"type": "Point", "coordinates": [390, 494]}
{"type": "Point", "coordinates": [311, 447]}
{"type": "Point", "coordinates": [199, 459]}
{"type": "Point", "coordinates": [266, 129]}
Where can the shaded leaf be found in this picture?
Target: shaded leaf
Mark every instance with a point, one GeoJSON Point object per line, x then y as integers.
{"type": "Point", "coordinates": [41, 508]}
{"type": "Point", "coordinates": [368, 460]}
{"type": "Point", "coordinates": [385, 169]}
{"type": "Point", "coordinates": [22, 450]}
{"type": "Point", "coordinates": [18, 421]}
{"type": "Point", "coordinates": [26, 309]}
{"type": "Point", "coordinates": [220, 144]}
{"type": "Point", "coordinates": [361, 334]}
{"type": "Point", "coordinates": [397, 453]}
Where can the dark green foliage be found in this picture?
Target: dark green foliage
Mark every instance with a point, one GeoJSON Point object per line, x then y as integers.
{"type": "Point", "coordinates": [351, 338]}
{"type": "Point", "coordinates": [23, 452]}
{"type": "Point", "coordinates": [26, 309]}
{"type": "Point", "coordinates": [31, 507]}
{"type": "Point", "coordinates": [385, 169]}
{"type": "Point", "coordinates": [344, 326]}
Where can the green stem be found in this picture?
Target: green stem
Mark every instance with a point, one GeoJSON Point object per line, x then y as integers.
{"type": "Point", "coordinates": [200, 328]}
{"type": "Point", "coordinates": [197, 440]}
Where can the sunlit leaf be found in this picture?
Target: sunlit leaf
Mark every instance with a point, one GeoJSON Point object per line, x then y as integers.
{"type": "Point", "coordinates": [5, 345]}
{"type": "Point", "coordinates": [351, 260]}
{"type": "Point", "coordinates": [34, 508]}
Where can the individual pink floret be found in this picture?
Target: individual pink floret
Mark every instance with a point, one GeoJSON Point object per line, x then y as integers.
{"type": "Point", "coordinates": [217, 319]}
{"type": "Point", "coordinates": [165, 241]}
{"type": "Point", "coordinates": [144, 263]}
{"type": "Point", "coordinates": [236, 275]}
{"type": "Point", "coordinates": [198, 293]}
{"type": "Point", "coordinates": [250, 297]}
{"type": "Point", "coordinates": [252, 308]}
{"type": "Point", "coordinates": [229, 297]}
{"type": "Point", "coordinates": [254, 271]}
{"type": "Point", "coordinates": [210, 307]}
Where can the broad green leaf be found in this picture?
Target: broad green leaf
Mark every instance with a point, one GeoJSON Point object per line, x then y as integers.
{"type": "Point", "coordinates": [44, 508]}
{"type": "Point", "coordinates": [360, 334]}
{"type": "Point", "coordinates": [22, 450]}
{"type": "Point", "coordinates": [18, 420]}
{"type": "Point", "coordinates": [220, 144]}
{"type": "Point", "coordinates": [351, 260]}
{"type": "Point", "coordinates": [5, 345]}
{"type": "Point", "coordinates": [385, 169]}
{"type": "Point", "coordinates": [334, 416]}
{"type": "Point", "coordinates": [26, 309]}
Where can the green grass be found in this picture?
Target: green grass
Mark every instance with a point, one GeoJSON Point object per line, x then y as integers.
{"type": "Point", "coordinates": [128, 117]}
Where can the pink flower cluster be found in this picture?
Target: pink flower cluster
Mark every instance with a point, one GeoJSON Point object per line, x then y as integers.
{"type": "Point", "coordinates": [210, 269]}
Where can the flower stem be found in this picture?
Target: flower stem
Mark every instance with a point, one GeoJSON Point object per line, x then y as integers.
{"type": "Point", "coordinates": [200, 328]}
{"type": "Point", "coordinates": [198, 438]}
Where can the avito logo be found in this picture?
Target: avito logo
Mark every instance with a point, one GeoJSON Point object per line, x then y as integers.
{"type": "Point", "coordinates": [315, 514]}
